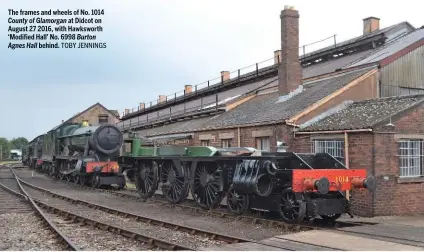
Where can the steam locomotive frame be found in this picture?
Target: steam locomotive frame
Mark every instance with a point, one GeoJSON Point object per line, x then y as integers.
{"type": "Point", "coordinates": [32, 152]}
{"type": "Point", "coordinates": [294, 185]}
{"type": "Point", "coordinates": [81, 153]}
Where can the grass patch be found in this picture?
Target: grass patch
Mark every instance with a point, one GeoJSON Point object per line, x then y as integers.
{"type": "Point", "coordinates": [130, 185]}
{"type": "Point", "coordinates": [9, 162]}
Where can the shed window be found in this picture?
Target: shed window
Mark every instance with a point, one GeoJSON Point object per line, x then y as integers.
{"type": "Point", "coordinates": [204, 142]}
{"type": "Point", "coordinates": [411, 157]}
{"type": "Point", "coordinates": [332, 147]}
{"type": "Point", "coordinates": [103, 119]}
{"type": "Point", "coordinates": [262, 143]}
{"type": "Point", "coordinates": [226, 143]}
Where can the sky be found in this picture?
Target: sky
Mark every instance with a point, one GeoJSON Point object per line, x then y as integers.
{"type": "Point", "coordinates": [155, 47]}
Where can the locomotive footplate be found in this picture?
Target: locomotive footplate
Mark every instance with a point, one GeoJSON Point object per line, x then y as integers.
{"type": "Point", "coordinates": [327, 206]}
{"type": "Point", "coordinates": [110, 180]}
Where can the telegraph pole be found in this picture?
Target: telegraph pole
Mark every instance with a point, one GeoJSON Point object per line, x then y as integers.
{"type": "Point", "coordinates": [1, 152]}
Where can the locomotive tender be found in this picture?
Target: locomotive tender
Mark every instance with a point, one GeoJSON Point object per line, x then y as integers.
{"type": "Point", "coordinates": [81, 153]}
{"type": "Point", "coordinates": [297, 186]}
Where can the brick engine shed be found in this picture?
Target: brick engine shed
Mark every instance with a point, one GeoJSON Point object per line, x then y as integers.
{"type": "Point", "coordinates": [359, 100]}
{"type": "Point", "coordinates": [383, 135]}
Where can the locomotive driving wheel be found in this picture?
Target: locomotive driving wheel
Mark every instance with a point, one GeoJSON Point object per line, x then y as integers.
{"type": "Point", "coordinates": [146, 179]}
{"type": "Point", "coordinates": [207, 188]}
{"type": "Point", "coordinates": [175, 182]}
{"type": "Point", "coordinates": [237, 202]}
{"type": "Point", "coordinates": [291, 209]}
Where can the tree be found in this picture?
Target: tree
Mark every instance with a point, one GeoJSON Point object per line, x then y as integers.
{"type": "Point", "coordinates": [18, 143]}
{"type": "Point", "coordinates": [4, 148]}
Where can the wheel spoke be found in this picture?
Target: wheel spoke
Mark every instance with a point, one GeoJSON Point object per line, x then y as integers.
{"type": "Point", "coordinates": [292, 210]}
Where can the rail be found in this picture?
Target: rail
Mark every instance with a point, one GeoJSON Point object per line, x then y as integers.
{"type": "Point", "coordinates": [160, 243]}
{"type": "Point", "coordinates": [68, 243]}
{"type": "Point", "coordinates": [150, 220]}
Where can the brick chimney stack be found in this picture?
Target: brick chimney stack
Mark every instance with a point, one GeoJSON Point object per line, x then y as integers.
{"type": "Point", "coordinates": [289, 72]}
{"type": "Point", "coordinates": [371, 24]}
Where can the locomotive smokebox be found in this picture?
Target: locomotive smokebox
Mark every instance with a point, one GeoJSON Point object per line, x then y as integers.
{"type": "Point", "coordinates": [107, 139]}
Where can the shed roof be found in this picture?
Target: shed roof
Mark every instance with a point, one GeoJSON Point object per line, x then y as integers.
{"type": "Point", "coordinates": [365, 114]}
{"type": "Point", "coordinates": [392, 47]}
{"type": "Point", "coordinates": [389, 33]}
{"type": "Point", "coordinates": [177, 127]}
{"type": "Point", "coordinates": [265, 108]}
{"type": "Point", "coordinates": [353, 50]}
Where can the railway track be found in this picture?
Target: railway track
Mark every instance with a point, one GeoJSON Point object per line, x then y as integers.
{"type": "Point", "coordinates": [338, 227]}
{"type": "Point", "coordinates": [129, 219]}
{"type": "Point", "coordinates": [221, 212]}
{"type": "Point", "coordinates": [22, 203]}
{"type": "Point", "coordinates": [76, 227]}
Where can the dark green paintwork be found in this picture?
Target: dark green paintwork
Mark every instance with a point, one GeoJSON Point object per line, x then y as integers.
{"type": "Point", "coordinates": [138, 150]}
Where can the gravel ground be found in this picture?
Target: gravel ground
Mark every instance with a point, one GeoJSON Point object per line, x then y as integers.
{"type": "Point", "coordinates": [178, 237]}
{"type": "Point", "coordinates": [25, 231]}
{"type": "Point", "coordinates": [227, 226]}
{"type": "Point", "coordinates": [88, 238]}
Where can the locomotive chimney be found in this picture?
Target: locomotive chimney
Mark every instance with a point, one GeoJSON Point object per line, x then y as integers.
{"type": "Point", "coordinates": [371, 24]}
{"type": "Point", "coordinates": [290, 72]}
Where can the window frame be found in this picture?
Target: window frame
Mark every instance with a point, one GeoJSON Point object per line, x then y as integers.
{"type": "Point", "coordinates": [228, 141]}
{"type": "Point", "coordinates": [259, 143]}
{"type": "Point", "coordinates": [103, 117]}
{"type": "Point", "coordinates": [410, 157]}
{"type": "Point", "coordinates": [337, 150]}
{"type": "Point", "coordinates": [205, 141]}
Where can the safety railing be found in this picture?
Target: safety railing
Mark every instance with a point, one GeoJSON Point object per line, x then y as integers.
{"type": "Point", "coordinates": [239, 75]}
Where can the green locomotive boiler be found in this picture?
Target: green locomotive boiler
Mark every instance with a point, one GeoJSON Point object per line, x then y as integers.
{"type": "Point", "coordinates": [84, 154]}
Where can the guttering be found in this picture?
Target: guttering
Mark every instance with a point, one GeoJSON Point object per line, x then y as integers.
{"type": "Point", "coordinates": [333, 131]}
{"type": "Point", "coordinates": [291, 124]}
{"type": "Point", "coordinates": [238, 136]}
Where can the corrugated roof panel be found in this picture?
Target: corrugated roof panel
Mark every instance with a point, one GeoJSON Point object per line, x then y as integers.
{"type": "Point", "coordinates": [393, 47]}
{"type": "Point", "coordinates": [333, 64]}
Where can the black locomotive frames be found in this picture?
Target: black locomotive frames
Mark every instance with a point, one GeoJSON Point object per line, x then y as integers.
{"type": "Point", "coordinates": [296, 186]}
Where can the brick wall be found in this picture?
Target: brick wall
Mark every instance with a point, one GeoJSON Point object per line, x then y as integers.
{"type": "Point", "coordinates": [360, 150]}
{"type": "Point", "coordinates": [92, 116]}
{"type": "Point", "coordinates": [248, 135]}
{"type": "Point", "coordinates": [378, 152]}
{"type": "Point", "coordinates": [213, 136]}
{"type": "Point", "coordinates": [403, 195]}
{"type": "Point", "coordinates": [360, 157]}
